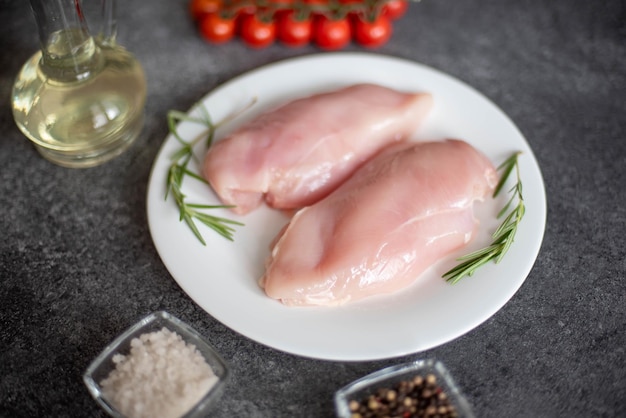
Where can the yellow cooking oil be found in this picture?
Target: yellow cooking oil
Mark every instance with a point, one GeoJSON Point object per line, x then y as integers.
{"type": "Point", "coordinates": [80, 102]}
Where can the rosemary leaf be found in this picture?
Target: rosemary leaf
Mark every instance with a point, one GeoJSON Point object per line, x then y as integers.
{"type": "Point", "coordinates": [505, 247]}
{"type": "Point", "coordinates": [506, 207]}
{"type": "Point", "coordinates": [506, 167]}
{"type": "Point", "coordinates": [189, 221]}
{"type": "Point", "coordinates": [180, 153]}
{"type": "Point", "coordinates": [207, 219]}
{"type": "Point", "coordinates": [201, 206]}
{"type": "Point", "coordinates": [479, 253]}
{"type": "Point", "coordinates": [195, 176]}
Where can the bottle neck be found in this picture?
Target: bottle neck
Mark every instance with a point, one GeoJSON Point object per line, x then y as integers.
{"type": "Point", "coordinates": [69, 52]}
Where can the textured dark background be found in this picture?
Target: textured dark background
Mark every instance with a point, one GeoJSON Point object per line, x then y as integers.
{"type": "Point", "coordinates": [77, 264]}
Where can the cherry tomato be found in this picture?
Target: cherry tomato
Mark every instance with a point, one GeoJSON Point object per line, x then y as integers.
{"type": "Point", "coordinates": [331, 33]}
{"type": "Point", "coordinates": [257, 33]}
{"type": "Point", "coordinates": [200, 8]}
{"type": "Point", "coordinates": [394, 9]}
{"type": "Point", "coordinates": [217, 28]}
{"type": "Point", "coordinates": [372, 34]}
{"type": "Point", "coordinates": [293, 30]}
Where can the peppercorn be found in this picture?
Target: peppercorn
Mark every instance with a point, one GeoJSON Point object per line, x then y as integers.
{"type": "Point", "coordinates": [373, 404]}
{"type": "Point", "coordinates": [354, 405]}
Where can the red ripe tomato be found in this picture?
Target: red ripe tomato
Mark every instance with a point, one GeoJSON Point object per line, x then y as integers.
{"type": "Point", "coordinates": [216, 28]}
{"type": "Point", "coordinates": [200, 8]}
{"type": "Point", "coordinates": [257, 33]}
{"type": "Point", "coordinates": [292, 30]}
{"type": "Point", "coordinates": [331, 33]}
{"type": "Point", "coordinates": [394, 9]}
{"type": "Point", "coordinates": [372, 34]}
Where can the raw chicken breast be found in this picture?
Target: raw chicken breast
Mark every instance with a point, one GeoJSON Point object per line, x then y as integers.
{"type": "Point", "coordinates": [298, 153]}
{"type": "Point", "coordinates": [397, 215]}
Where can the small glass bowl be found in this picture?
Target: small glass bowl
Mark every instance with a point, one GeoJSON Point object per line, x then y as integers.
{"type": "Point", "coordinates": [389, 377]}
{"type": "Point", "coordinates": [100, 368]}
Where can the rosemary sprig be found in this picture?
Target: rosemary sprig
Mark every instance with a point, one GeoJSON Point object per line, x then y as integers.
{"type": "Point", "coordinates": [504, 236]}
{"type": "Point", "coordinates": [180, 168]}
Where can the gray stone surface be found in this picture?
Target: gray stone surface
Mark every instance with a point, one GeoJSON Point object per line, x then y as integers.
{"type": "Point", "coordinates": [77, 264]}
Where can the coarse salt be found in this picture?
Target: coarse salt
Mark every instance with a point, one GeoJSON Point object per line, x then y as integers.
{"type": "Point", "coordinates": [161, 377]}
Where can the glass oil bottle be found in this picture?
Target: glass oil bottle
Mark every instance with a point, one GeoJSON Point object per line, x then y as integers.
{"type": "Point", "coordinates": [80, 99]}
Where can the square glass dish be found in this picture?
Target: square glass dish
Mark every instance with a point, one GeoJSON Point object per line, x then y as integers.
{"type": "Point", "coordinates": [158, 367]}
{"type": "Point", "coordinates": [404, 390]}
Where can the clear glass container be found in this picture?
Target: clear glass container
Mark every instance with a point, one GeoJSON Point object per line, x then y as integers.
{"type": "Point", "coordinates": [81, 98]}
{"type": "Point", "coordinates": [389, 377]}
{"type": "Point", "coordinates": [102, 366]}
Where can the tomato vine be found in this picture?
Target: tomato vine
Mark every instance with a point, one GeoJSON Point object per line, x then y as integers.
{"type": "Point", "coordinates": [329, 24]}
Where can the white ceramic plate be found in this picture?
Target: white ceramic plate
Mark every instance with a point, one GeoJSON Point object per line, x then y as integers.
{"type": "Point", "coordinates": [222, 277]}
